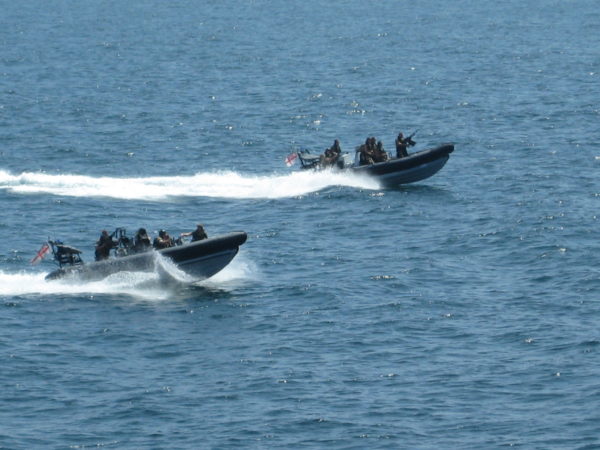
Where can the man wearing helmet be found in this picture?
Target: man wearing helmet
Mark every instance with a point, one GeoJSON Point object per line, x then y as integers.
{"type": "Point", "coordinates": [402, 145]}
{"type": "Point", "coordinates": [104, 245]}
{"type": "Point", "coordinates": [163, 240]}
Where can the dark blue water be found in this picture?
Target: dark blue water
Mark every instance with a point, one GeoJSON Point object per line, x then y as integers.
{"type": "Point", "coordinates": [459, 312]}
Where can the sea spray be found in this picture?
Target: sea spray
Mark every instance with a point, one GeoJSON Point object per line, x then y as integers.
{"type": "Point", "coordinates": [239, 272]}
{"type": "Point", "coordinates": [215, 184]}
{"type": "Point", "coordinates": [158, 284]}
{"type": "Point", "coordinates": [135, 284]}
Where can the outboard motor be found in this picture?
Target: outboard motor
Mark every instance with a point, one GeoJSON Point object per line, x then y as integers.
{"type": "Point", "coordinates": [65, 255]}
{"type": "Point", "coordinates": [345, 160]}
{"type": "Point", "coordinates": [357, 157]}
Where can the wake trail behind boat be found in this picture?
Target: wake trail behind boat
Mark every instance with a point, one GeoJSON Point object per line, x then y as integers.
{"type": "Point", "coordinates": [157, 285]}
{"type": "Point", "coordinates": [217, 184]}
{"type": "Point", "coordinates": [28, 283]}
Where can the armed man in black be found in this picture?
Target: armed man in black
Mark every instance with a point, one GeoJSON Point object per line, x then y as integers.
{"type": "Point", "coordinates": [402, 145]}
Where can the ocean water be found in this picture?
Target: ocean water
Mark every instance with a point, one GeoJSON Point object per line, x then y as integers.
{"type": "Point", "coordinates": [458, 312]}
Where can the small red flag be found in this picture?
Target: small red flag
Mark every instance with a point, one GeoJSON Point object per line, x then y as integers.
{"type": "Point", "coordinates": [291, 159]}
{"type": "Point", "coordinates": [40, 254]}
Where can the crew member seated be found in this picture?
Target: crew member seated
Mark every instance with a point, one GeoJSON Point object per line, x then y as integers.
{"type": "Point", "coordinates": [331, 155]}
{"type": "Point", "coordinates": [379, 154]}
{"type": "Point", "coordinates": [104, 245]}
{"type": "Point", "coordinates": [326, 159]}
{"type": "Point", "coordinates": [402, 144]}
{"type": "Point", "coordinates": [163, 240]}
{"type": "Point", "coordinates": [141, 241]}
{"type": "Point", "coordinates": [197, 235]}
{"type": "Point", "coordinates": [367, 151]}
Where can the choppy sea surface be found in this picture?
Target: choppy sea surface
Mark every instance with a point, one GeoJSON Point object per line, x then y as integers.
{"type": "Point", "coordinates": [458, 312]}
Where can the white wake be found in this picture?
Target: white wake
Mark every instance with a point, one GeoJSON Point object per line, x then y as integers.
{"type": "Point", "coordinates": [217, 184]}
{"type": "Point", "coordinates": [157, 285]}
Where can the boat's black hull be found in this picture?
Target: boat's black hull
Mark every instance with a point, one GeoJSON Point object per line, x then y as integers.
{"type": "Point", "coordinates": [415, 167]}
{"type": "Point", "coordinates": [199, 260]}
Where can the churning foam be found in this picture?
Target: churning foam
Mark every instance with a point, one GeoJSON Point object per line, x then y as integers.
{"type": "Point", "coordinates": [218, 184]}
{"type": "Point", "coordinates": [157, 285]}
{"type": "Point", "coordinates": [29, 283]}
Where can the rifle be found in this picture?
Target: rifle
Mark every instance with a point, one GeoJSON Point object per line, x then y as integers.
{"type": "Point", "coordinates": [409, 140]}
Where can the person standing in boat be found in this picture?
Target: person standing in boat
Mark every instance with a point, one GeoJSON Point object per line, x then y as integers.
{"type": "Point", "coordinates": [402, 145]}
{"type": "Point", "coordinates": [163, 240]}
{"type": "Point", "coordinates": [141, 241]}
{"type": "Point", "coordinates": [104, 245]}
{"type": "Point", "coordinates": [336, 148]}
{"type": "Point", "coordinates": [197, 235]}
